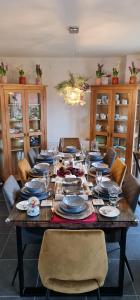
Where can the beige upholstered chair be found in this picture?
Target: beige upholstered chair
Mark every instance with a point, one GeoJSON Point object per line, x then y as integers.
{"type": "Point", "coordinates": [64, 142]}
{"type": "Point", "coordinates": [23, 168]}
{"type": "Point", "coordinates": [118, 171]}
{"type": "Point", "coordinates": [73, 261]}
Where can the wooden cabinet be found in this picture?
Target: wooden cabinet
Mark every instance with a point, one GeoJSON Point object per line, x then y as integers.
{"type": "Point", "coordinates": [22, 124]}
{"type": "Point", "coordinates": [115, 119]}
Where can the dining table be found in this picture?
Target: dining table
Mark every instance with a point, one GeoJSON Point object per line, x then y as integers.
{"type": "Point", "coordinates": [44, 220]}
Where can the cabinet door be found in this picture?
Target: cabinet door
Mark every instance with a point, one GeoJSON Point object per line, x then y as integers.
{"type": "Point", "coordinates": [35, 119]}
{"type": "Point", "coordinates": [101, 117]}
{"type": "Point", "coordinates": [15, 124]}
{"type": "Point", "coordinates": [122, 131]}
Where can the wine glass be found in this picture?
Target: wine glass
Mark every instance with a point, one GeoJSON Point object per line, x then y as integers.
{"type": "Point", "coordinates": [113, 195]}
{"type": "Point", "coordinates": [46, 179]}
{"type": "Point", "coordinates": [98, 180]}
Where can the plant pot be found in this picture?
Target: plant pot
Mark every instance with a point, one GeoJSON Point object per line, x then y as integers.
{"type": "Point", "coordinates": [133, 79]}
{"type": "Point", "coordinates": [98, 81]}
{"type": "Point", "coordinates": [22, 80]}
{"type": "Point", "coordinates": [4, 79]}
{"type": "Point", "coordinates": [104, 80]}
{"type": "Point", "coordinates": [38, 80]}
{"type": "Point", "coordinates": [115, 80]}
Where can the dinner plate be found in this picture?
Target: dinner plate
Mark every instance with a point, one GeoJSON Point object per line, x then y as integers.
{"type": "Point", "coordinates": [109, 211]}
{"type": "Point", "coordinates": [40, 197]}
{"type": "Point", "coordinates": [22, 205]}
{"type": "Point", "coordinates": [41, 167]}
{"type": "Point", "coordinates": [100, 166]}
{"type": "Point", "coordinates": [78, 216]}
{"type": "Point", "coordinates": [73, 210]}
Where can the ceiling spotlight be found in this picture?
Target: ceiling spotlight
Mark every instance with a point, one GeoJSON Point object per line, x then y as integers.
{"type": "Point", "coordinates": [73, 29]}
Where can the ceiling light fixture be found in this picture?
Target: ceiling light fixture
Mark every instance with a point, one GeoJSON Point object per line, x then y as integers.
{"type": "Point", "coordinates": [74, 89]}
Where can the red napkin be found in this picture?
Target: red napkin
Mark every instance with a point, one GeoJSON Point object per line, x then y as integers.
{"type": "Point", "coordinates": [57, 219]}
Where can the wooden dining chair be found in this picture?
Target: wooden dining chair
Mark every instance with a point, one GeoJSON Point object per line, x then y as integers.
{"type": "Point", "coordinates": [23, 168]}
{"type": "Point", "coordinates": [136, 155]}
{"type": "Point", "coordinates": [11, 191]}
{"type": "Point", "coordinates": [32, 157]}
{"type": "Point", "coordinates": [73, 261]}
{"type": "Point", "coordinates": [131, 191]}
{"type": "Point", "coordinates": [109, 157]}
{"type": "Point", "coordinates": [118, 171]}
{"type": "Point", "coordinates": [64, 142]}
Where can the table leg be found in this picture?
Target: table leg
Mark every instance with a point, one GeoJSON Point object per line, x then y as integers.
{"type": "Point", "coordinates": [122, 260]}
{"type": "Point", "coordinates": [20, 260]}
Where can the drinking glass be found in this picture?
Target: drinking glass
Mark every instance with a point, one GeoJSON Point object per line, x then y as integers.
{"type": "Point", "coordinates": [98, 180]}
{"type": "Point", "coordinates": [46, 179]}
{"type": "Point", "coordinates": [113, 195]}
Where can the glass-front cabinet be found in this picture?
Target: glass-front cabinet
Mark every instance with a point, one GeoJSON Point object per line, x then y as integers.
{"type": "Point", "coordinates": [115, 119]}
{"type": "Point", "coordinates": [23, 125]}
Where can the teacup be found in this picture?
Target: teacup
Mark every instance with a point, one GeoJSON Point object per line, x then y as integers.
{"type": "Point", "coordinates": [99, 101]}
{"type": "Point", "coordinates": [98, 127]}
{"type": "Point", "coordinates": [124, 101]}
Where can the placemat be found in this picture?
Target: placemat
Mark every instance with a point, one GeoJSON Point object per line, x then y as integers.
{"type": "Point", "coordinates": [57, 219]}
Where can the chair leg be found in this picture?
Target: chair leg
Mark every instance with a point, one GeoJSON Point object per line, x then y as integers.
{"type": "Point", "coordinates": [17, 267]}
{"type": "Point", "coordinates": [128, 267]}
{"type": "Point", "coordinates": [48, 294]}
{"type": "Point", "coordinates": [98, 294]}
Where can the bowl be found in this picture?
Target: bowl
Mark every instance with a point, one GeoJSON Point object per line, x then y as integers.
{"type": "Point", "coordinates": [42, 167]}
{"type": "Point", "coordinates": [34, 186]}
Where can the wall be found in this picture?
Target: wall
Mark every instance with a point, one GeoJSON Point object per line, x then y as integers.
{"type": "Point", "coordinates": [63, 120]}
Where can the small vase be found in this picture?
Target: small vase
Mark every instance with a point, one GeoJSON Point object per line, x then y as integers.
{"type": "Point", "coordinates": [133, 79]}
{"type": "Point", "coordinates": [98, 81]}
{"type": "Point", "coordinates": [115, 80]}
{"type": "Point", "coordinates": [22, 80]}
{"type": "Point", "coordinates": [4, 79]}
{"type": "Point", "coordinates": [38, 80]}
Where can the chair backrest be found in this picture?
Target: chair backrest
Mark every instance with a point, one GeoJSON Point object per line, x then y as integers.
{"type": "Point", "coordinates": [73, 261]}
{"type": "Point", "coordinates": [10, 191]}
{"type": "Point", "coordinates": [109, 157]}
{"type": "Point", "coordinates": [32, 157]}
{"type": "Point", "coordinates": [136, 155]}
{"type": "Point", "coordinates": [24, 168]}
{"type": "Point", "coordinates": [118, 171]}
{"type": "Point", "coordinates": [131, 190]}
{"type": "Point", "coordinates": [64, 142]}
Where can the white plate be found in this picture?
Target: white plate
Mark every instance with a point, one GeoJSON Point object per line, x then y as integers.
{"type": "Point", "coordinates": [109, 211]}
{"type": "Point", "coordinates": [99, 165]}
{"type": "Point", "coordinates": [22, 205]}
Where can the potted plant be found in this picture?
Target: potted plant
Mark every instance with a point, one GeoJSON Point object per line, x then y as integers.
{"type": "Point", "coordinates": [99, 74]}
{"type": "Point", "coordinates": [38, 75]}
{"type": "Point", "coordinates": [3, 71]}
{"type": "Point", "coordinates": [133, 71]}
{"type": "Point", "coordinates": [115, 79]}
{"type": "Point", "coordinates": [22, 78]}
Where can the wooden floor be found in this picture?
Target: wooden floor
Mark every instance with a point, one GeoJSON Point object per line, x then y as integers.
{"type": "Point", "coordinates": [8, 263]}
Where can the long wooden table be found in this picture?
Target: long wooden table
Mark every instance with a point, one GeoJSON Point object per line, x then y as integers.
{"type": "Point", "coordinates": [123, 221]}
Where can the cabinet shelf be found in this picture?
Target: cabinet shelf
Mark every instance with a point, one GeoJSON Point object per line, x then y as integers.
{"type": "Point", "coordinates": [34, 120]}
{"type": "Point", "coordinates": [104, 133]}
{"type": "Point", "coordinates": [11, 120]}
{"type": "Point", "coordinates": [122, 105]}
{"type": "Point", "coordinates": [17, 149]}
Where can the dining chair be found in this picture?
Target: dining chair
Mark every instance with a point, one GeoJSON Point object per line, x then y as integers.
{"type": "Point", "coordinates": [118, 171]}
{"type": "Point", "coordinates": [73, 261]}
{"type": "Point", "coordinates": [32, 157]}
{"type": "Point", "coordinates": [64, 142]}
{"type": "Point", "coordinates": [109, 157]}
{"type": "Point", "coordinates": [11, 190]}
{"type": "Point", "coordinates": [23, 168]}
{"type": "Point", "coordinates": [136, 155]}
{"type": "Point", "coordinates": [131, 191]}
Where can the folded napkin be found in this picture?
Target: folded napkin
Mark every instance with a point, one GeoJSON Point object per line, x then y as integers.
{"type": "Point", "coordinates": [57, 219]}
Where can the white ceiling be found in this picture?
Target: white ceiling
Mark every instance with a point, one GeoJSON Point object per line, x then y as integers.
{"type": "Point", "coordinates": [39, 27]}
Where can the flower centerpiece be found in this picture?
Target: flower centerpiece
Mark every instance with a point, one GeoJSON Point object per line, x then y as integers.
{"type": "Point", "coordinates": [38, 74]}
{"type": "Point", "coordinates": [133, 71]}
{"type": "Point", "coordinates": [3, 71]}
{"type": "Point", "coordinates": [73, 89]}
{"type": "Point", "coordinates": [22, 78]}
{"type": "Point", "coordinates": [115, 72]}
{"type": "Point", "coordinates": [99, 74]}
